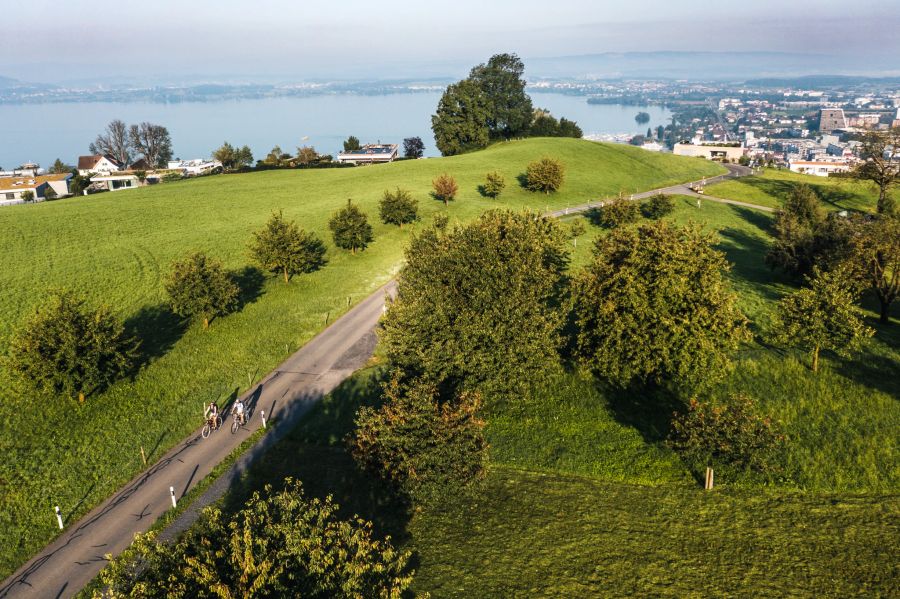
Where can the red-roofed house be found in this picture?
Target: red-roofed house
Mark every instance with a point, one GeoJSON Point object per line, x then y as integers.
{"type": "Point", "coordinates": [98, 164]}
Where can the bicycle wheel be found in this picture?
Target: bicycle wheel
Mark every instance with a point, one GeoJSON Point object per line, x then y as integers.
{"type": "Point", "coordinates": [235, 425]}
{"type": "Point", "coordinates": [218, 422]}
{"type": "Point", "coordinates": [205, 431]}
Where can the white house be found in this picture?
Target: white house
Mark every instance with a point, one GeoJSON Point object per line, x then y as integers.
{"type": "Point", "coordinates": [197, 166]}
{"type": "Point", "coordinates": [720, 151]}
{"type": "Point", "coordinates": [117, 181]}
{"type": "Point", "coordinates": [13, 188]}
{"type": "Point", "coordinates": [819, 168]}
{"type": "Point", "coordinates": [98, 165]}
{"type": "Point", "coordinates": [370, 154]}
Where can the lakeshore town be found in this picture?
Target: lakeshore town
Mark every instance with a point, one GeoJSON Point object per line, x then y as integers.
{"type": "Point", "coordinates": [813, 129]}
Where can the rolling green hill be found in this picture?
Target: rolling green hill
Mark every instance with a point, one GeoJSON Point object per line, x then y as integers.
{"type": "Point", "coordinates": [116, 247]}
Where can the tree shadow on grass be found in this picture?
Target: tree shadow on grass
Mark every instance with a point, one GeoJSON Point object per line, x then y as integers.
{"type": "Point", "coordinates": [757, 218]}
{"type": "Point", "coordinates": [522, 179]}
{"type": "Point", "coordinates": [747, 254]}
{"type": "Point", "coordinates": [875, 369]}
{"type": "Point", "coordinates": [648, 410]}
{"type": "Point", "coordinates": [316, 453]}
{"type": "Point", "coordinates": [250, 281]}
{"type": "Point", "coordinates": [158, 329]}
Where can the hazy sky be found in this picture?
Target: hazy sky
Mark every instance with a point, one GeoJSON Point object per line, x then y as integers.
{"type": "Point", "coordinates": [54, 40]}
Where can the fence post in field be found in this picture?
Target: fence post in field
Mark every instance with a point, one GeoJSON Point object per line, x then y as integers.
{"type": "Point", "coordinates": [143, 455]}
{"type": "Point", "coordinates": [59, 518]}
{"type": "Point", "coordinates": [709, 478]}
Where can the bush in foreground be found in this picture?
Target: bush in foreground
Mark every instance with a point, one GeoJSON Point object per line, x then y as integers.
{"type": "Point", "coordinates": [283, 247]}
{"type": "Point", "coordinates": [199, 287]}
{"type": "Point", "coordinates": [545, 175]}
{"type": "Point", "coordinates": [278, 545]}
{"type": "Point", "coordinates": [655, 307]}
{"type": "Point", "coordinates": [398, 207]}
{"type": "Point", "coordinates": [729, 434]}
{"type": "Point", "coordinates": [71, 349]}
{"type": "Point", "coordinates": [428, 448]}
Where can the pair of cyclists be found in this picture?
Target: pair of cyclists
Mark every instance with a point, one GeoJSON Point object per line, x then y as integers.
{"type": "Point", "coordinates": [238, 409]}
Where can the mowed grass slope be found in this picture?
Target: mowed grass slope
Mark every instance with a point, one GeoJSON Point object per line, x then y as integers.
{"type": "Point", "coordinates": [117, 247]}
{"type": "Point", "coordinates": [772, 187]}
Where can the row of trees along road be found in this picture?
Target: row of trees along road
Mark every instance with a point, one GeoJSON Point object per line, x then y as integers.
{"type": "Point", "coordinates": [69, 348]}
{"type": "Point", "coordinates": [485, 310]}
{"type": "Point", "coordinates": [490, 105]}
{"type": "Point", "coordinates": [152, 142]}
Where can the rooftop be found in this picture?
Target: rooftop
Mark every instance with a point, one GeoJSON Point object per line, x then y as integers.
{"type": "Point", "coordinates": [16, 183]}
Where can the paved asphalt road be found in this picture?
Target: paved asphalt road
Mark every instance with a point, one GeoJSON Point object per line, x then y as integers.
{"type": "Point", "coordinates": [684, 189]}
{"type": "Point", "coordinates": [65, 566]}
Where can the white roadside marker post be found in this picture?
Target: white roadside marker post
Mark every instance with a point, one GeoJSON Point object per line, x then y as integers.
{"type": "Point", "coordinates": [172, 493]}
{"type": "Point", "coordinates": [262, 414]}
{"type": "Point", "coordinates": [59, 518]}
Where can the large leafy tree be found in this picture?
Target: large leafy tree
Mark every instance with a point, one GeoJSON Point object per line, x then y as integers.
{"type": "Point", "coordinates": [413, 147]}
{"type": "Point", "coordinates": [425, 446]}
{"type": "Point", "coordinates": [350, 228]}
{"type": "Point", "coordinates": [199, 287]}
{"type": "Point", "coordinates": [283, 247]}
{"type": "Point", "coordinates": [280, 544]}
{"type": "Point", "coordinates": [872, 255]}
{"type": "Point", "coordinates": [798, 229]}
{"type": "Point", "coordinates": [478, 307]}
{"type": "Point", "coordinates": [232, 158]}
{"type": "Point", "coordinates": [71, 349]}
{"type": "Point", "coordinates": [494, 183]}
{"type": "Point", "coordinates": [445, 188]}
{"type": "Point", "coordinates": [153, 142]}
{"type": "Point", "coordinates": [398, 207]}
{"type": "Point", "coordinates": [880, 152]}
{"type": "Point", "coordinates": [509, 108]}
{"type": "Point", "coordinates": [460, 123]}
{"type": "Point", "coordinates": [114, 141]}
{"type": "Point", "coordinates": [823, 315]}
{"type": "Point", "coordinates": [655, 307]}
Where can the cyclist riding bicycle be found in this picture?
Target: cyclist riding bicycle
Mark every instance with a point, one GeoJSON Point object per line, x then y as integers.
{"type": "Point", "coordinates": [212, 415]}
{"type": "Point", "coordinates": [238, 409]}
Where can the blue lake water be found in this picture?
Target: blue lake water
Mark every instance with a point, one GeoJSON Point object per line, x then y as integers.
{"type": "Point", "coordinates": [43, 132]}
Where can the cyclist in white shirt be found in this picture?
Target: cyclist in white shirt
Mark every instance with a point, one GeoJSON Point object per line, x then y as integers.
{"type": "Point", "coordinates": [238, 409]}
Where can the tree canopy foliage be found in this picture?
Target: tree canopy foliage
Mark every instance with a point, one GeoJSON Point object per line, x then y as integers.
{"type": "Point", "coordinates": [413, 147]}
{"type": "Point", "coordinates": [478, 307]}
{"type": "Point", "coordinates": [798, 228]}
{"type": "Point", "coordinates": [426, 446]}
{"type": "Point", "coordinates": [398, 207]}
{"type": "Point", "coordinates": [350, 228]}
{"type": "Point", "coordinates": [658, 206]}
{"type": "Point", "coordinates": [546, 125]}
{"type": "Point", "coordinates": [502, 83]}
{"type": "Point", "coordinates": [199, 287]}
{"type": "Point", "coordinates": [233, 159]}
{"type": "Point", "coordinates": [60, 168]}
{"type": "Point", "coordinates": [823, 315]}
{"type": "Point", "coordinates": [545, 175]}
{"type": "Point", "coordinates": [153, 142]}
{"type": "Point", "coordinates": [351, 144]}
{"type": "Point", "coordinates": [280, 544]}
{"type": "Point", "coordinates": [67, 348]}
{"type": "Point", "coordinates": [460, 123]}
{"type": "Point", "coordinates": [283, 247]}
{"type": "Point", "coordinates": [445, 188]}
{"type": "Point", "coordinates": [494, 183]}
{"type": "Point", "coordinates": [654, 306]}
{"type": "Point", "coordinates": [880, 152]}
{"type": "Point", "coordinates": [114, 142]}
{"type": "Point", "coordinates": [617, 212]}
{"type": "Point", "coordinates": [872, 256]}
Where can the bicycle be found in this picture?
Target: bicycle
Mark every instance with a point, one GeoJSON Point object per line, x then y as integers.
{"type": "Point", "coordinates": [237, 422]}
{"type": "Point", "coordinates": [211, 425]}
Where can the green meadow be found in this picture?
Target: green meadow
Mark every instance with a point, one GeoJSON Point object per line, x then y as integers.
{"type": "Point", "coordinates": [772, 186]}
{"type": "Point", "coordinates": [116, 248]}
{"type": "Point", "coordinates": [584, 498]}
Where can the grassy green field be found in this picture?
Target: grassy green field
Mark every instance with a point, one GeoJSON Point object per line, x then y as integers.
{"type": "Point", "coordinates": [116, 247]}
{"type": "Point", "coordinates": [584, 498]}
{"type": "Point", "coordinates": [772, 187]}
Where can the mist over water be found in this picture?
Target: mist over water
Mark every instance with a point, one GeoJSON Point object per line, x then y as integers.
{"type": "Point", "coordinates": [43, 132]}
